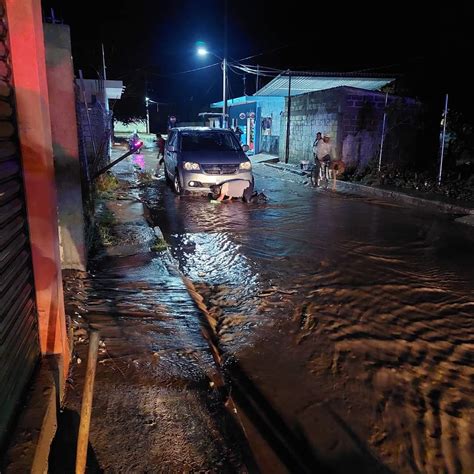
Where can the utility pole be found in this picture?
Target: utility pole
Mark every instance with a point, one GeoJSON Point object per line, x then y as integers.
{"type": "Point", "coordinates": [147, 102]}
{"type": "Point", "coordinates": [443, 138]}
{"type": "Point", "coordinates": [244, 78]}
{"type": "Point", "coordinates": [257, 85]}
{"type": "Point", "coordinates": [224, 71]}
{"type": "Point", "coordinates": [288, 117]}
{"type": "Point", "coordinates": [104, 67]}
{"type": "Point", "coordinates": [224, 93]}
{"type": "Point", "coordinates": [384, 122]}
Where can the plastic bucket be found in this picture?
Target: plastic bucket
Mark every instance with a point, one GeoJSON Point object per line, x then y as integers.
{"type": "Point", "coordinates": [304, 164]}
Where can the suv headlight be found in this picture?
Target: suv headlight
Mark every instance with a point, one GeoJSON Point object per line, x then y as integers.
{"type": "Point", "coordinates": [246, 165]}
{"type": "Point", "coordinates": [190, 166]}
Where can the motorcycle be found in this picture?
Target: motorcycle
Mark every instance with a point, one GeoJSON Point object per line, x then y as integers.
{"type": "Point", "coordinates": [135, 144]}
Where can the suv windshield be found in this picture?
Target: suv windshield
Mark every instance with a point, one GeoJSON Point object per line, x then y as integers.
{"type": "Point", "coordinates": [212, 141]}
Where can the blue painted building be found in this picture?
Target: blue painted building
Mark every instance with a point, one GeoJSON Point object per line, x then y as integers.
{"type": "Point", "coordinates": [262, 116]}
{"type": "Point", "coordinates": [259, 120]}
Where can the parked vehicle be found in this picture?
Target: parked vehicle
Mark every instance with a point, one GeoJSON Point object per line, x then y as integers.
{"type": "Point", "coordinates": [199, 157]}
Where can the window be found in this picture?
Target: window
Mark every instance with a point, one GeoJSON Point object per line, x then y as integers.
{"type": "Point", "coordinates": [213, 141]}
{"type": "Point", "coordinates": [172, 139]}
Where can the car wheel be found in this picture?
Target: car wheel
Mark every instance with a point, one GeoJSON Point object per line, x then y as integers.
{"type": "Point", "coordinates": [177, 184]}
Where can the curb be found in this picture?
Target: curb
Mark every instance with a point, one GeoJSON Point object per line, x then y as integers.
{"type": "Point", "coordinates": [345, 186]}
{"type": "Point", "coordinates": [36, 426]}
{"type": "Point", "coordinates": [285, 168]}
{"type": "Point", "coordinates": [440, 206]}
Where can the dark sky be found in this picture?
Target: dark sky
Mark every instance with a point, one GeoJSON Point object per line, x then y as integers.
{"type": "Point", "coordinates": [153, 39]}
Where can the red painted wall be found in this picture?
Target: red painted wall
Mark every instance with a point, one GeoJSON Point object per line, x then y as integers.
{"type": "Point", "coordinates": [31, 91]}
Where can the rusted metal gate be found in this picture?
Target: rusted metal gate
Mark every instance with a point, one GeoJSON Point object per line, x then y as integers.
{"type": "Point", "coordinates": [19, 346]}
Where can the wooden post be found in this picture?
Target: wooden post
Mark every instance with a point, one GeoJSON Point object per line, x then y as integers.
{"type": "Point", "coordinates": [86, 408]}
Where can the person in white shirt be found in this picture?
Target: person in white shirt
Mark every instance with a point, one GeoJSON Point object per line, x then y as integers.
{"type": "Point", "coordinates": [318, 138]}
{"type": "Point", "coordinates": [324, 154]}
{"type": "Point", "coordinates": [325, 150]}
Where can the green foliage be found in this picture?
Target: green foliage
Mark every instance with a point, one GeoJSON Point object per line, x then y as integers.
{"type": "Point", "coordinates": [159, 245]}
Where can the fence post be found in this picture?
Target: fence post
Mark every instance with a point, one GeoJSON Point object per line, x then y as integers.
{"type": "Point", "coordinates": [445, 119]}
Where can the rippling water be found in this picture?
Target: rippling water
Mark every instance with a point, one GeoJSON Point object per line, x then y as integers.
{"type": "Point", "coordinates": [365, 306]}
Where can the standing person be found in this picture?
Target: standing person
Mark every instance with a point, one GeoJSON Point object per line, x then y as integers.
{"type": "Point", "coordinates": [325, 154]}
{"type": "Point", "coordinates": [315, 144]}
{"type": "Point", "coordinates": [238, 133]}
{"type": "Point", "coordinates": [161, 151]}
{"type": "Point", "coordinates": [316, 164]}
{"type": "Point", "coordinates": [324, 149]}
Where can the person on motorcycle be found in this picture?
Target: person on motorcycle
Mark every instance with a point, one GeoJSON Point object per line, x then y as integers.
{"type": "Point", "coordinates": [133, 140]}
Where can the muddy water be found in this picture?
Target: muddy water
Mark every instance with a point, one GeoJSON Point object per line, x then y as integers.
{"type": "Point", "coordinates": [353, 318]}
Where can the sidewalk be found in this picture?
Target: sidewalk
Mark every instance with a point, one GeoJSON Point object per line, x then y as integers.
{"type": "Point", "coordinates": [155, 407]}
{"type": "Point", "coordinates": [394, 195]}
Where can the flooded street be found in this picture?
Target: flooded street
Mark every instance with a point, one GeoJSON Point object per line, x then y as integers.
{"type": "Point", "coordinates": [350, 319]}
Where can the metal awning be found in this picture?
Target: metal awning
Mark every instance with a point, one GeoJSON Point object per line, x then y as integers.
{"type": "Point", "coordinates": [311, 82]}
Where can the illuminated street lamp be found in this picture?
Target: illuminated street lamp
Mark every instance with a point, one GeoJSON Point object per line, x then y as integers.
{"type": "Point", "coordinates": [147, 103]}
{"type": "Point", "coordinates": [203, 51]}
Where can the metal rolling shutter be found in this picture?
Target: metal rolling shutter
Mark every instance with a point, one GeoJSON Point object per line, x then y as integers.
{"type": "Point", "coordinates": [19, 347]}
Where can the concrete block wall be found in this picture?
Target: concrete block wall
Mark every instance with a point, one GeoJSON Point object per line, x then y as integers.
{"type": "Point", "coordinates": [60, 76]}
{"type": "Point", "coordinates": [310, 113]}
{"type": "Point", "coordinates": [353, 117]}
{"type": "Point", "coordinates": [361, 128]}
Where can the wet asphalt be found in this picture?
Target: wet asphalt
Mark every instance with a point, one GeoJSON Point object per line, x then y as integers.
{"type": "Point", "coordinates": [344, 322]}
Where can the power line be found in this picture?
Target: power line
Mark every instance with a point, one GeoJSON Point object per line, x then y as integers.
{"type": "Point", "coordinates": [184, 72]}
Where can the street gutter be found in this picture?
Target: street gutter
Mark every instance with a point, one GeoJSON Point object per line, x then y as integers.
{"type": "Point", "coordinates": [360, 189]}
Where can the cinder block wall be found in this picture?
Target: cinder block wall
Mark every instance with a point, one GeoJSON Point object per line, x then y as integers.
{"type": "Point", "coordinates": [353, 117]}
{"type": "Point", "coordinates": [310, 113]}
{"type": "Point", "coordinates": [361, 128]}
{"type": "Point", "coordinates": [60, 75]}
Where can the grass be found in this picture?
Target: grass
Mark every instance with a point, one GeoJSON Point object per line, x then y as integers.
{"type": "Point", "coordinates": [159, 245]}
{"type": "Point", "coordinates": [104, 223]}
{"type": "Point", "coordinates": [106, 184]}
{"type": "Point", "coordinates": [145, 177]}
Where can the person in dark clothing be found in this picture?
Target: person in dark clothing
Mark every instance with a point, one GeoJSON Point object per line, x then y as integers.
{"type": "Point", "coordinates": [161, 151]}
{"type": "Point", "coordinates": [238, 133]}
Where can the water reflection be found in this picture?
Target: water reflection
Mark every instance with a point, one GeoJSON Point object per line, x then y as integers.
{"type": "Point", "coordinates": [365, 305]}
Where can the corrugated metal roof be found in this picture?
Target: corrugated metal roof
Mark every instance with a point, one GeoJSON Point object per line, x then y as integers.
{"type": "Point", "coordinates": [302, 84]}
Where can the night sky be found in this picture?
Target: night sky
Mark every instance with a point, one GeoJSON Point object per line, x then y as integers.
{"type": "Point", "coordinates": [152, 40]}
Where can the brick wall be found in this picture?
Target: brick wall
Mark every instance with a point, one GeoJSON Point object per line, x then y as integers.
{"type": "Point", "coordinates": [361, 127]}
{"type": "Point", "coordinates": [310, 113]}
{"type": "Point", "coordinates": [353, 117]}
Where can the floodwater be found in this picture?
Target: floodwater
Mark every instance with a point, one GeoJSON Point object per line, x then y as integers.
{"type": "Point", "coordinates": [349, 319]}
{"type": "Point", "coordinates": [155, 407]}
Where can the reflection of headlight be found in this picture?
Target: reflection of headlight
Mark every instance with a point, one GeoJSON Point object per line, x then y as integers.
{"type": "Point", "coordinates": [246, 165]}
{"type": "Point", "coordinates": [190, 166]}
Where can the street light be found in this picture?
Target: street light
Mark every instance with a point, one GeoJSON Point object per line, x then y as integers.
{"type": "Point", "coordinates": [147, 103]}
{"type": "Point", "coordinates": [203, 51]}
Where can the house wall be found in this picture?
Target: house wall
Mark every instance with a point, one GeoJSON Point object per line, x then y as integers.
{"type": "Point", "coordinates": [310, 113]}
{"type": "Point", "coordinates": [353, 118]}
{"type": "Point", "coordinates": [60, 75]}
{"type": "Point", "coordinates": [270, 108]}
{"type": "Point", "coordinates": [34, 131]}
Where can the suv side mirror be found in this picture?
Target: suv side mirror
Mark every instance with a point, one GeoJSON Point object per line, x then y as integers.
{"type": "Point", "coordinates": [171, 148]}
{"type": "Point", "coordinates": [246, 148]}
